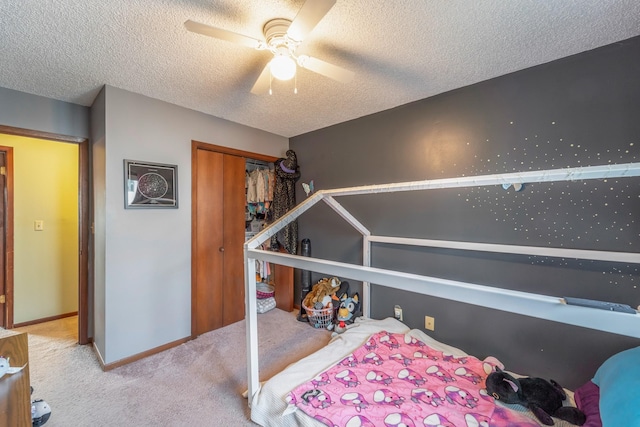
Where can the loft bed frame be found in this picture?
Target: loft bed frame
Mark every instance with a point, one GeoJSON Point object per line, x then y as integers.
{"type": "Point", "coordinates": [529, 304]}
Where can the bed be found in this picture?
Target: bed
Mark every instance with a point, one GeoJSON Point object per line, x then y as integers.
{"type": "Point", "coordinates": [446, 390]}
{"type": "Point", "coordinates": [268, 401]}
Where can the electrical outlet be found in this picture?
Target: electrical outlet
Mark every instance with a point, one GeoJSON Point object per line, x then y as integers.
{"type": "Point", "coordinates": [429, 323]}
{"type": "Point", "coordinates": [397, 312]}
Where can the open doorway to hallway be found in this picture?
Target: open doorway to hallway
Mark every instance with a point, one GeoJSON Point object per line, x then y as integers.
{"type": "Point", "coordinates": [45, 229]}
{"type": "Point", "coordinates": [46, 238]}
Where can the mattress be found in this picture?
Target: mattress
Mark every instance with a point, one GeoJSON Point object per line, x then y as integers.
{"type": "Point", "coordinates": [269, 406]}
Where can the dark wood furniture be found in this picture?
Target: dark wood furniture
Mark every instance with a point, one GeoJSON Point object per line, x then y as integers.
{"type": "Point", "coordinates": [283, 278]}
{"type": "Point", "coordinates": [15, 389]}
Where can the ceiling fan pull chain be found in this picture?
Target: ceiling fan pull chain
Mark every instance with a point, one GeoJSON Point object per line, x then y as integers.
{"type": "Point", "coordinates": [270, 80]}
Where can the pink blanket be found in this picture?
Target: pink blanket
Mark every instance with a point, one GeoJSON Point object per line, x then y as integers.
{"type": "Point", "coordinates": [397, 380]}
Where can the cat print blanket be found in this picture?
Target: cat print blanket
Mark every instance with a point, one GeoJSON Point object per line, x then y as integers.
{"type": "Point", "coordinates": [396, 380]}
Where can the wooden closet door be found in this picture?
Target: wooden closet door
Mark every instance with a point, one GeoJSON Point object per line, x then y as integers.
{"type": "Point", "coordinates": [233, 239]}
{"type": "Point", "coordinates": [209, 243]}
{"type": "Point", "coordinates": [218, 227]}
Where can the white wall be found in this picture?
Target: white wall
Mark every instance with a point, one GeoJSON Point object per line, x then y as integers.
{"type": "Point", "coordinates": [147, 258]}
{"type": "Point", "coordinates": [142, 274]}
{"type": "Point", "coordinates": [96, 293]}
{"type": "Point", "coordinates": [27, 111]}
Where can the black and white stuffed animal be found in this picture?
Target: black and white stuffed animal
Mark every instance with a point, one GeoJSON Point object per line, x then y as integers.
{"type": "Point", "coordinates": [542, 397]}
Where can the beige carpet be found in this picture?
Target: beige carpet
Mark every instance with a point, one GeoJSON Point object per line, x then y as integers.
{"type": "Point", "coordinates": [198, 383]}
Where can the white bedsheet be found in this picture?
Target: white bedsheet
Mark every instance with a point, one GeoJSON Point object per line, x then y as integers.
{"type": "Point", "coordinates": [268, 406]}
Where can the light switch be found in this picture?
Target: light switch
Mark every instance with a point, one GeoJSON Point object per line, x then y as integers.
{"type": "Point", "coordinates": [38, 225]}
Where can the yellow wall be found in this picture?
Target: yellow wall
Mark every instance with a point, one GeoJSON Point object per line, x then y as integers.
{"type": "Point", "coordinates": [45, 262]}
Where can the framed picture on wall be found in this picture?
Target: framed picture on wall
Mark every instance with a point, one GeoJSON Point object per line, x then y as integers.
{"type": "Point", "coordinates": [150, 185]}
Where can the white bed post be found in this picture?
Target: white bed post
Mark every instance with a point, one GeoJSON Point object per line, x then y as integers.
{"type": "Point", "coordinates": [251, 307]}
{"type": "Point", "coordinates": [366, 247]}
{"type": "Point", "coordinates": [251, 316]}
{"type": "Point", "coordinates": [366, 286]}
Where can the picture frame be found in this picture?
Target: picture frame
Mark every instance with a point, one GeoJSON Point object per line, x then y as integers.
{"type": "Point", "coordinates": [150, 185]}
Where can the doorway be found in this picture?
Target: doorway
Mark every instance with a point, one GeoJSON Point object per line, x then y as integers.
{"type": "Point", "coordinates": [8, 234]}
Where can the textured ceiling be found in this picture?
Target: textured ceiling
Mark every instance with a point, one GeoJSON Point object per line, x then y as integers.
{"type": "Point", "coordinates": [400, 51]}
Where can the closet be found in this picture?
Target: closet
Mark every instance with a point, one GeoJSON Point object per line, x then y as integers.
{"type": "Point", "coordinates": [260, 180]}
{"type": "Point", "coordinates": [219, 227]}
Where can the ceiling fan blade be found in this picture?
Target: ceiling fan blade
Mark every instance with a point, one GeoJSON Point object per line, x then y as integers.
{"type": "Point", "coordinates": [308, 16]}
{"type": "Point", "coordinates": [262, 84]}
{"type": "Point", "coordinates": [329, 70]}
{"type": "Point", "coordinates": [219, 33]}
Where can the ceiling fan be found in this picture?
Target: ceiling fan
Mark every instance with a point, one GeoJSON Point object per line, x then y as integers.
{"type": "Point", "coordinates": [282, 37]}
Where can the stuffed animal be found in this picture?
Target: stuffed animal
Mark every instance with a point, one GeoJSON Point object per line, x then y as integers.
{"type": "Point", "coordinates": [349, 307]}
{"type": "Point", "coordinates": [542, 397]}
{"type": "Point", "coordinates": [320, 291]}
{"type": "Point", "coordinates": [348, 310]}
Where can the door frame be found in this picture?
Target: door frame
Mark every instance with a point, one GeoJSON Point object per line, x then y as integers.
{"type": "Point", "coordinates": [7, 238]}
{"type": "Point", "coordinates": [195, 146]}
{"type": "Point", "coordinates": [84, 219]}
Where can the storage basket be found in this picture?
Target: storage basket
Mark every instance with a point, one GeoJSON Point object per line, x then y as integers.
{"type": "Point", "coordinates": [265, 304]}
{"type": "Point", "coordinates": [264, 290]}
{"type": "Point", "coordinates": [320, 318]}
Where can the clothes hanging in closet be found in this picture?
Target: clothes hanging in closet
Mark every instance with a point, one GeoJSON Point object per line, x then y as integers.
{"type": "Point", "coordinates": [260, 185]}
{"type": "Point", "coordinates": [284, 199]}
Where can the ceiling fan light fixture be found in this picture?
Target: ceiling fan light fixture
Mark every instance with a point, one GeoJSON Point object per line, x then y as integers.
{"type": "Point", "coordinates": [283, 67]}
{"type": "Point", "coordinates": [282, 38]}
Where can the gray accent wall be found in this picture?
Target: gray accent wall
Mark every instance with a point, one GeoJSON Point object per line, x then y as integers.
{"type": "Point", "coordinates": [578, 111]}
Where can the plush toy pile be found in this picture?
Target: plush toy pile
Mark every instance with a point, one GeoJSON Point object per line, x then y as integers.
{"type": "Point", "coordinates": [320, 295]}
{"type": "Point", "coordinates": [328, 300]}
